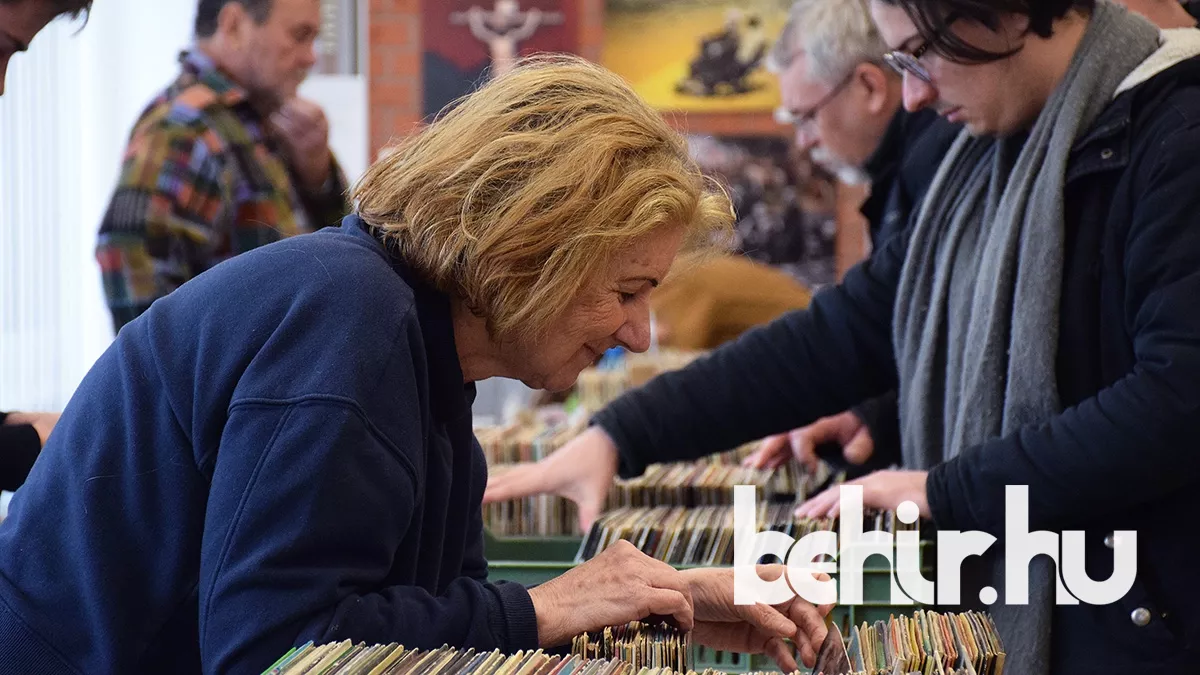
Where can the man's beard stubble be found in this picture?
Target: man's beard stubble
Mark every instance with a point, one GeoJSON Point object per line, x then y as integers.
{"type": "Point", "coordinates": [850, 175]}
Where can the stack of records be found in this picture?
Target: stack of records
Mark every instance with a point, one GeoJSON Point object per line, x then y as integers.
{"type": "Point", "coordinates": [641, 645]}
{"type": "Point", "coordinates": [927, 643]}
{"type": "Point", "coordinates": [703, 536]}
{"type": "Point", "coordinates": [596, 387]}
{"type": "Point", "coordinates": [524, 441]}
{"type": "Point", "coordinates": [710, 484]}
{"type": "Point", "coordinates": [538, 515]}
{"type": "Point", "coordinates": [347, 658]}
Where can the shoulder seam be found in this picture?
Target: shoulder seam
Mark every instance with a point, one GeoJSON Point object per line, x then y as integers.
{"type": "Point", "coordinates": [344, 402]}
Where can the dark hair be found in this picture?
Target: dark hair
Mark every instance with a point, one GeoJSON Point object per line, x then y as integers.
{"type": "Point", "coordinates": [933, 18]}
{"type": "Point", "coordinates": [208, 11]}
{"type": "Point", "coordinates": [71, 8]}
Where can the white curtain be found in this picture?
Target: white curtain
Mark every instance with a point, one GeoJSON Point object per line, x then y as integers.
{"type": "Point", "coordinates": [67, 110]}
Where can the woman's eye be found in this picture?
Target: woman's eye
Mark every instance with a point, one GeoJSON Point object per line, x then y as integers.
{"type": "Point", "coordinates": [628, 297]}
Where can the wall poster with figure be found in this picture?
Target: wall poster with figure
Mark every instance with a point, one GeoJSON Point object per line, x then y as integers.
{"type": "Point", "coordinates": [466, 41]}
{"type": "Point", "coordinates": [784, 203]}
{"type": "Point", "coordinates": [696, 55]}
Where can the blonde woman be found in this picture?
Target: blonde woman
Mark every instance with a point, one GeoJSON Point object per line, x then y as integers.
{"type": "Point", "coordinates": [282, 451]}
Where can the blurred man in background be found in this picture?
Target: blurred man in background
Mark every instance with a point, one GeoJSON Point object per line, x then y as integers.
{"type": "Point", "coordinates": [227, 159]}
{"type": "Point", "coordinates": [22, 434]}
{"type": "Point", "coordinates": [845, 105]}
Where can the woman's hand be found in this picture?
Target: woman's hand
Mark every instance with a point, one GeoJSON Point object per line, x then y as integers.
{"type": "Point", "coordinates": [881, 490]}
{"type": "Point", "coordinates": [582, 471]}
{"type": "Point", "coordinates": [620, 585]}
{"type": "Point", "coordinates": [758, 628]}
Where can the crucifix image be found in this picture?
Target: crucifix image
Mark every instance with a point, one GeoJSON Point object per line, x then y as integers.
{"type": "Point", "coordinates": [503, 28]}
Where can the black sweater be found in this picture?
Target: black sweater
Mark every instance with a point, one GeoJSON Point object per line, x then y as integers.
{"type": "Point", "coordinates": [19, 448]}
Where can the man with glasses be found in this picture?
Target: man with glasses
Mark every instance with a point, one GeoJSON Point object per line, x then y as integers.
{"type": "Point", "coordinates": [845, 105]}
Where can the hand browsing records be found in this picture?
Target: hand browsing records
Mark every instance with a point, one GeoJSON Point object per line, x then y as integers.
{"type": "Point", "coordinates": [620, 585]}
{"type": "Point", "coordinates": [581, 471]}
{"type": "Point", "coordinates": [510, 449]}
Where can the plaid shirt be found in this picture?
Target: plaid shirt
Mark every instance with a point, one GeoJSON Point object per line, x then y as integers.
{"type": "Point", "coordinates": [201, 182]}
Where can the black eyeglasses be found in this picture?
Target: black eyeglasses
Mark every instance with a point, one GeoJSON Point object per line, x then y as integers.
{"type": "Point", "coordinates": [785, 116]}
{"type": "Point", "coordinates": [910, 62]}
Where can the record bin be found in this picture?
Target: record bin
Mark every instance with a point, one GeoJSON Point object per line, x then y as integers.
{"type": "Point", "coordinates": [533, 560]}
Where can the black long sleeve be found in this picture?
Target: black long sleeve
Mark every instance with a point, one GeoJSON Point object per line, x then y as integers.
{"type": "Point", "coordinates": [19, 449]}
{"type": "Point", "coordinates": [786, 374]}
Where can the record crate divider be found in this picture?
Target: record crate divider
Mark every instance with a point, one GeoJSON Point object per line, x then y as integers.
{"type": "Point", "coordinates": [537, 559]}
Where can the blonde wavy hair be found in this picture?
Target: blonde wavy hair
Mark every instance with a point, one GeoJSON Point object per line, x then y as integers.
{"type": "Point", "coordinates": [516, 197]}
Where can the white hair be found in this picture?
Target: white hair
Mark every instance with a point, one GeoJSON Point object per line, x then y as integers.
{"type": "Point", "coordinates": [834, 35]}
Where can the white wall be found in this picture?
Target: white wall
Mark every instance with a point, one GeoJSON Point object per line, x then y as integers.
{"type": "Point", "coordinates": [64, 120]}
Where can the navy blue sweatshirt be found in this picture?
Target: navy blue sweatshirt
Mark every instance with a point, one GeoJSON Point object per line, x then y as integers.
{"type": "Point", "coordinates": [281, 450]}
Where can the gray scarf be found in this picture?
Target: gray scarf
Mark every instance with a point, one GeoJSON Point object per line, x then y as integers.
{"type": "Point", "coordinates": [977, 309]}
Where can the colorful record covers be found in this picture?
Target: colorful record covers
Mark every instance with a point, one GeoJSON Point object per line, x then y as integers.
{"type": "Point", "coordinates": [926, 643]}
{"type": "Point", "coordinates": [703, 536]}
{"type": "Point", "coordinates": [638, 644]}
{"type": "Point", "coordinates": [345, 658]}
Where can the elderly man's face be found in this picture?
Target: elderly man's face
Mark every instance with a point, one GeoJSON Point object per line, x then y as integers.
{"type": "Point", "coordinates": [830, 120]}
{"type": "Point", "coordinates": [273, 58]}
{"type": "Point", "coordinates": [611, 311]}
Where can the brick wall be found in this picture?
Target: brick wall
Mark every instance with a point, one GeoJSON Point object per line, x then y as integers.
{"type": "Point", "coordinates": [394, 74]}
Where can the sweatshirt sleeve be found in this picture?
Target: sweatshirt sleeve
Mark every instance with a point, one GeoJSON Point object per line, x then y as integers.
{"type": "Point", "coordinates": [307, 506]}
{"type": "Point", "coordinates": [802, 366]}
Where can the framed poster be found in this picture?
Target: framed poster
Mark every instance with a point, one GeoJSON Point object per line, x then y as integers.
{"type": "Point", "coordinates": [696, 55]}
{"type": "Point", "coordinates": [466, 40]}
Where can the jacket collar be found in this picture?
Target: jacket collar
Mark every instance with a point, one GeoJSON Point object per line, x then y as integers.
{"type": "Point", "coordinates": [1108, 144]}
{"type": "Point", "coordinates": [450, 396]}
{"type": "Point", "coordinates": [200, 66]}
{"type": "Point", "coordinates": [885, 165]}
